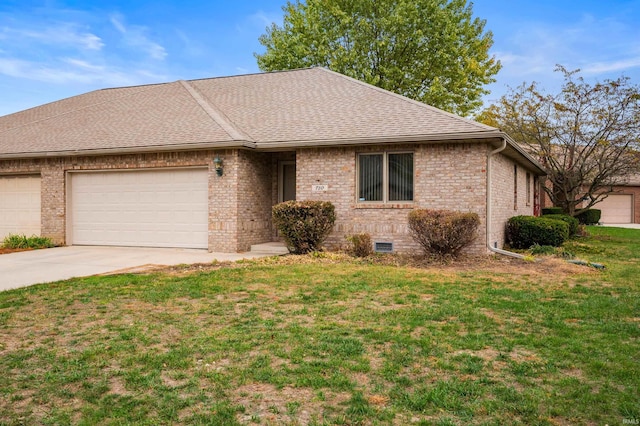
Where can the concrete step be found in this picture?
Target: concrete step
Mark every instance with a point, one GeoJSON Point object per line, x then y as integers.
{"type": "Point", "coordinates": [275, 248]}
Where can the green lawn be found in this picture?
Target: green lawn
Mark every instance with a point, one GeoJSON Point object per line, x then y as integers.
{"type": "Point", "coordinates": [324, 340]}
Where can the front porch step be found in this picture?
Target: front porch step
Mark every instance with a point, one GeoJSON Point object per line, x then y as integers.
{"type": "Point", "coordinates": [275, 248]}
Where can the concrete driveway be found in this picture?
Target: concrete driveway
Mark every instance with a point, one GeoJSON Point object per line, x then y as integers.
{"type": "Point", "coordinates": [623, 225]}
{"type": "Point", "coordinates": [40, 266]}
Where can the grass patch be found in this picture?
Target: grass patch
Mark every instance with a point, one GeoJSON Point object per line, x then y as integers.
{"type": "Point", "coordinates": [15, 241]}
{"type": "Point", "coordinates": [321, 340]}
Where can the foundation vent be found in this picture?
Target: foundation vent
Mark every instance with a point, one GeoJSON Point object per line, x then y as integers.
{"type": "Point", "coordinates": [381, 247]}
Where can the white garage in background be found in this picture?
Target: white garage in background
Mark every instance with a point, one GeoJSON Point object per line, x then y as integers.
{"type": "Point", "coordinates": [20, 210]}
{"type": "Point", "coordinates": [143, 208]}
{"type": "Point", "coordinates": [617, 208]}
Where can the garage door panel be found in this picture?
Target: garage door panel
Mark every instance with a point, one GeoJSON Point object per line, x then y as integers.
{"type": "Point", "coordinates": [20, 205]}
{"type": "Point", "coordinates": [617, 208]}
{"type": "Point", "coordinates": [151, 208]}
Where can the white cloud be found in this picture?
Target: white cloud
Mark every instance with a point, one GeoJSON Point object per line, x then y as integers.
{"type": "Point", "coordinates": [74, 71]}
{"type": "Point", "coordinates": [524, 65]}
{"type": "Point", "coordinates": [79, 63]}
{"type": "Point", "coordinates": [60, 52]}
{"type": "Point", "coordinates": [598, 46]}
{"type": "Point", "coordinates": [263, 19]}
{"type": "Point", "coordinates": [11, 67]}
{"type": "Point", "coordinates": [62, 35]}
{"type": "Point", "coordinates": [257, 22]}
{"type": "Point", "coordinates": [135, 36]}
{"type": "Point", "coordinates": [116, 20]}
{"type": "Point", "coordinates": [614, 66]}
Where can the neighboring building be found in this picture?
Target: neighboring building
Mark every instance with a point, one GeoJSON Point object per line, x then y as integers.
{"type": "Point", "coordinates": [622, 206]}
{"type": "Point", "coordinates": [200, 163]}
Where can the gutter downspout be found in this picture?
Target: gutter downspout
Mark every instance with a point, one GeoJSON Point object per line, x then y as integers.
{"type": "Point", "coordinates": [488, 218]}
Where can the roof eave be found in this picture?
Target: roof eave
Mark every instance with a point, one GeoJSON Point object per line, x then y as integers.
{"type": "Point", "coordinates": [489, 135]}
{"type": "Point", "coordinates": [513, 144]}
{"type": "Point", "coordinates": [130, 150]}
{"type": "Point", "coordinates": [325, 143]}
{"type": "Point", "coordinates": [288, 145]}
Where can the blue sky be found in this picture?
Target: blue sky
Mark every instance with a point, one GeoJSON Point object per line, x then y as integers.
{"type": "Point", "coordinates": [54, 49]}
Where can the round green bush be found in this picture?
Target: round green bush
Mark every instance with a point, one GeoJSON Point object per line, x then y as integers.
{"type": "Point", "coordinates": [525, 231]}
{"type": "Point", "coordinates": [570, 220]}
{"type": "Point", "coordinates": [589, 216]}
{"type": "Point", "coordinates": [552, 210]}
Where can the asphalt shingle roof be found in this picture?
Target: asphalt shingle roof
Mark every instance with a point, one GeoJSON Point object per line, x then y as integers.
{"type": "Point", "coordinates": [309, 106]}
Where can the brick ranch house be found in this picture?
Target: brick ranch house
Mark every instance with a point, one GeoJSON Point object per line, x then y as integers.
{"type": "Point", "coordinates": [199, 164]}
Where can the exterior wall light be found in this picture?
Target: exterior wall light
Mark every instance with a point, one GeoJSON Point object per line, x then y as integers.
{"type": "Point", "coordinates": [217, 164]}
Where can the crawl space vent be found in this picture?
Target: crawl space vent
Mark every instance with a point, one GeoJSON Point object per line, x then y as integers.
{"type": "Point", "coordinates": [383, 247]}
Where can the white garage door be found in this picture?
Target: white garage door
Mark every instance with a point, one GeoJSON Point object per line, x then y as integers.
{"type": "Point", "coordinates": [616, 209]}
{"type": "Point", "coordinates": [150, 208]}
{"type": "Point", "coordinates": [19, 205]}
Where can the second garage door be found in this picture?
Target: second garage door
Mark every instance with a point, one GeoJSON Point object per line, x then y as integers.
{"type": "Point", "coordinates": [616, 209]}
{"type": "Point", "coordinates": [150, 208]}
{"type": "Point", "coordinates": [19, 205]}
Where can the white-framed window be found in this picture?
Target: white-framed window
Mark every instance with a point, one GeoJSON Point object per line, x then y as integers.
{"type": "Point", "coordinates": [385, 177]}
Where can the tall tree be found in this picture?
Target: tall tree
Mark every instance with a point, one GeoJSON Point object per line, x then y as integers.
{"type": "Point", "coordinates": [586, 136]}
{"type": "Point", "coordinates": [433, 51]}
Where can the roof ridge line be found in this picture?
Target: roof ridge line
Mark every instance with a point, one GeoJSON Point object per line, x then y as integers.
{"type": "Point", "coordinates": [216, 114]}
{"type": "Point", "coordinates": [76, 109]}
{"type": "Point", "coordinates": [250, 74]}
{"type": "Point", "coordinates": [407, 99]}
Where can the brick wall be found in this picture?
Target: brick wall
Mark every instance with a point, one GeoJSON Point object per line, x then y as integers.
{"type": "Point", "coordinates": [223, 213]}
{"type": "Point", "coordinates": [504, 205]}
{"type": "Point", "coordinates": [255, 198]}
{"type": "Point", "coordinates": [53, 201]}
{"type": "Point", "coordinates": [223, 206]}
{"type": "Point", "coordinates": [447, 176]}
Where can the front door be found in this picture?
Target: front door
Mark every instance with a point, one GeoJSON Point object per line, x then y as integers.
{"type": "Point", "coordinates": [287, 181]}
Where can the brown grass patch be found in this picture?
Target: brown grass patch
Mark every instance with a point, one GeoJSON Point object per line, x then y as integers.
{"type": "Point", "coordinates": [116, 386]}
{"type": "Point", "coordinates": [574, 372]}
{"type": "Point", "coordinates": [172, 382]}
{"type": "Point", "coordinates": [288, 405]}
{"type": "Point", "coordinates": [507, 268]}
{"type": "Point", "coordinates": [378, 400]}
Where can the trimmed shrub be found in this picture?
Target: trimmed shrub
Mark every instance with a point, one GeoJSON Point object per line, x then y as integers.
{"type": "Point", "coordinates": [571, 221]}
{"type": "Point", "coordinates": [552, 210]}
{"type": "Point", "coordinates": [589, 216]}
{"type": "Point", "coordinates": [304, 224]}
{"type": "Point", "coordinates": [443, 232]}
{"type": "Point", "coordinates": [14, 241]}
{"type": "Point", "coordinates": [525, 231]}
{"type": "Point", "coordinates": [360, 245]}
